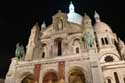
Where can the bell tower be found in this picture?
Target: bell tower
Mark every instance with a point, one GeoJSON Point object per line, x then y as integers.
{"type": "Point", "coordinates": [88, 31]}
{"type": "Point", "coordinates": [33, 42]}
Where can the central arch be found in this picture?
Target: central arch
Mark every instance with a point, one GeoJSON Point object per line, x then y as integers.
{"type": "Point", "coordinates": [50, 76]}
{"type": "Point", "coordinates": [76, 76]}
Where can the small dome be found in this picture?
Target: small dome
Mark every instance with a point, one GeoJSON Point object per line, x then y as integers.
{"type": "Point", "coordinates": [102, 27]}
{"type": "Point", "coordinates": [86, 17]}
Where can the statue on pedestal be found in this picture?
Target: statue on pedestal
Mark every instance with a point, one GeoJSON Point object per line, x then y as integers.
{"type": "Point", "coordinates": [89, 39]}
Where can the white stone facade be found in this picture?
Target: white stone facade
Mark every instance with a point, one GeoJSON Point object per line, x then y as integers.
{"type": "Point", "coordinates": [91, 53]}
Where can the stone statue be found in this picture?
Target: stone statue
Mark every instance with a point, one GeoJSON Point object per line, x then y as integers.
{"type": "Point", "coordinates": [20, 52]}
{"type": "Point", "coordinates": [121, 46]}
{"type": "Point", "coordinates": [89, 39]}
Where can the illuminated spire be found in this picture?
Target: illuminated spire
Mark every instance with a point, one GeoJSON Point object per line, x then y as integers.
{"type": "Point", "coordinates": [43, 25]}
{"type": "Point", "coordinates": [71, 8]}
{"type": "Point", "coordinates": [97, 17]}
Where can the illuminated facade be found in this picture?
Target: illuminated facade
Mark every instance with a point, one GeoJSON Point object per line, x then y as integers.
{"type": "Point", "coordinates": [70, 50]}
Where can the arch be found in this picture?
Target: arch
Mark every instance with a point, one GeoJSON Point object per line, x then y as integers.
{"type": "Point", "coordinates": [76, 75]}
{"type": "Point", "coordinates": [44, 46]}
{"type": "Point", "coordinates": [26, 77]}
{"type": "Point", "coordinates": [74, 38]}
{"type": "Point", "coordinates": [76, 41]}
{"type": "Point", "coordinates": [50, 75]}
{"type": "Point", "coordinates": [76, 46]}
{"type": "Point", "coordinates": [108, 80]}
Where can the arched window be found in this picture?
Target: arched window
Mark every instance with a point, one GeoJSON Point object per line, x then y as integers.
{"type": "Point", "coordinates": [109, 80]}
{"type": "Point", "coordinates": [102, 41]}
{"type": "Point", "coordinates": [77, 50]}
{"type": "Point", "coordinates": [43, 54]}
{"type": "Point", "coordinates": [76, 45]}
{"type": "Point", "coordinates": [106, 40]}
{"type": "Point", "coordinates": [109, 59]}
{"type": "Point", "coordinates": [44, 50]}
{"type": "Point", "coordinates": [58, 45]}
{"type": "Point", "coordinates": [116, 77]}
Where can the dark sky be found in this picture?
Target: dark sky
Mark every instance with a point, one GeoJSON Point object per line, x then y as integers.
{"type": "Point", "coordinates": [17, 19]}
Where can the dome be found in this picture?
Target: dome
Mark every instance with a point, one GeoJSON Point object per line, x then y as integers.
{"type": "Point", "coordinates": [102, 27]}
{"type": "Point", "coordinates": [86, 17]}
{"type": "Point", "coordinates": [73, 16]}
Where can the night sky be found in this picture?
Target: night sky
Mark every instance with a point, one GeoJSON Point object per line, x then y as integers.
{"type": "Point", "coordinates": [17, 19]}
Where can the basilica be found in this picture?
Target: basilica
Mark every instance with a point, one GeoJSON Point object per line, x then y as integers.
{"type": "Point", "coordinates": [70, 50]}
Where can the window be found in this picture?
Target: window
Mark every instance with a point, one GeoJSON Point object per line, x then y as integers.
{"type": "Point", "coordinates": [102, 41]}
{"type": "Point", "coordinates": [59, 47]}
{"type": "Point", "coordinates": [44, 50]}
{"type": "Point", "coordinates": [124, 79]}
{"type": "Point", "coordinates": [76, 46]}
{"type": "Point", "coordinates": [116, 77]}
{"type": "Point", "coordinates": [109, 59]}
{"type": "Point", "coordinates": [109, 81]}
{"type": "Point", "coordinates": [43, 55]}
{"type": "Point", "coordinates": [77, 50]}
{"type": "Point", "coordinates": [106, 40]}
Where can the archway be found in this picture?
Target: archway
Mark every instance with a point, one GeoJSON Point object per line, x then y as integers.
{"type": "Point", "coordinates": [50, 76]}
{"type": "Point", "coordinates": [28, 79]}
{"type": "Point", "coordinates": [76, 76]}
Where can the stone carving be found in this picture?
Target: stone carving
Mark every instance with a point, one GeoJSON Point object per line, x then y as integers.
{"type": "Point", "coordinates": [60, 24]}
{"type": "Point", "coordinates": [89, 39]}
{"type": "Point", "coordinates": [122, 48]}
{"type": "Point", "coordinates": [20, 52]}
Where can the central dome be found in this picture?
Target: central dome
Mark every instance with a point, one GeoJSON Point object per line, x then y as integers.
{"type": "Point", "coordinates": [73, 16]}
